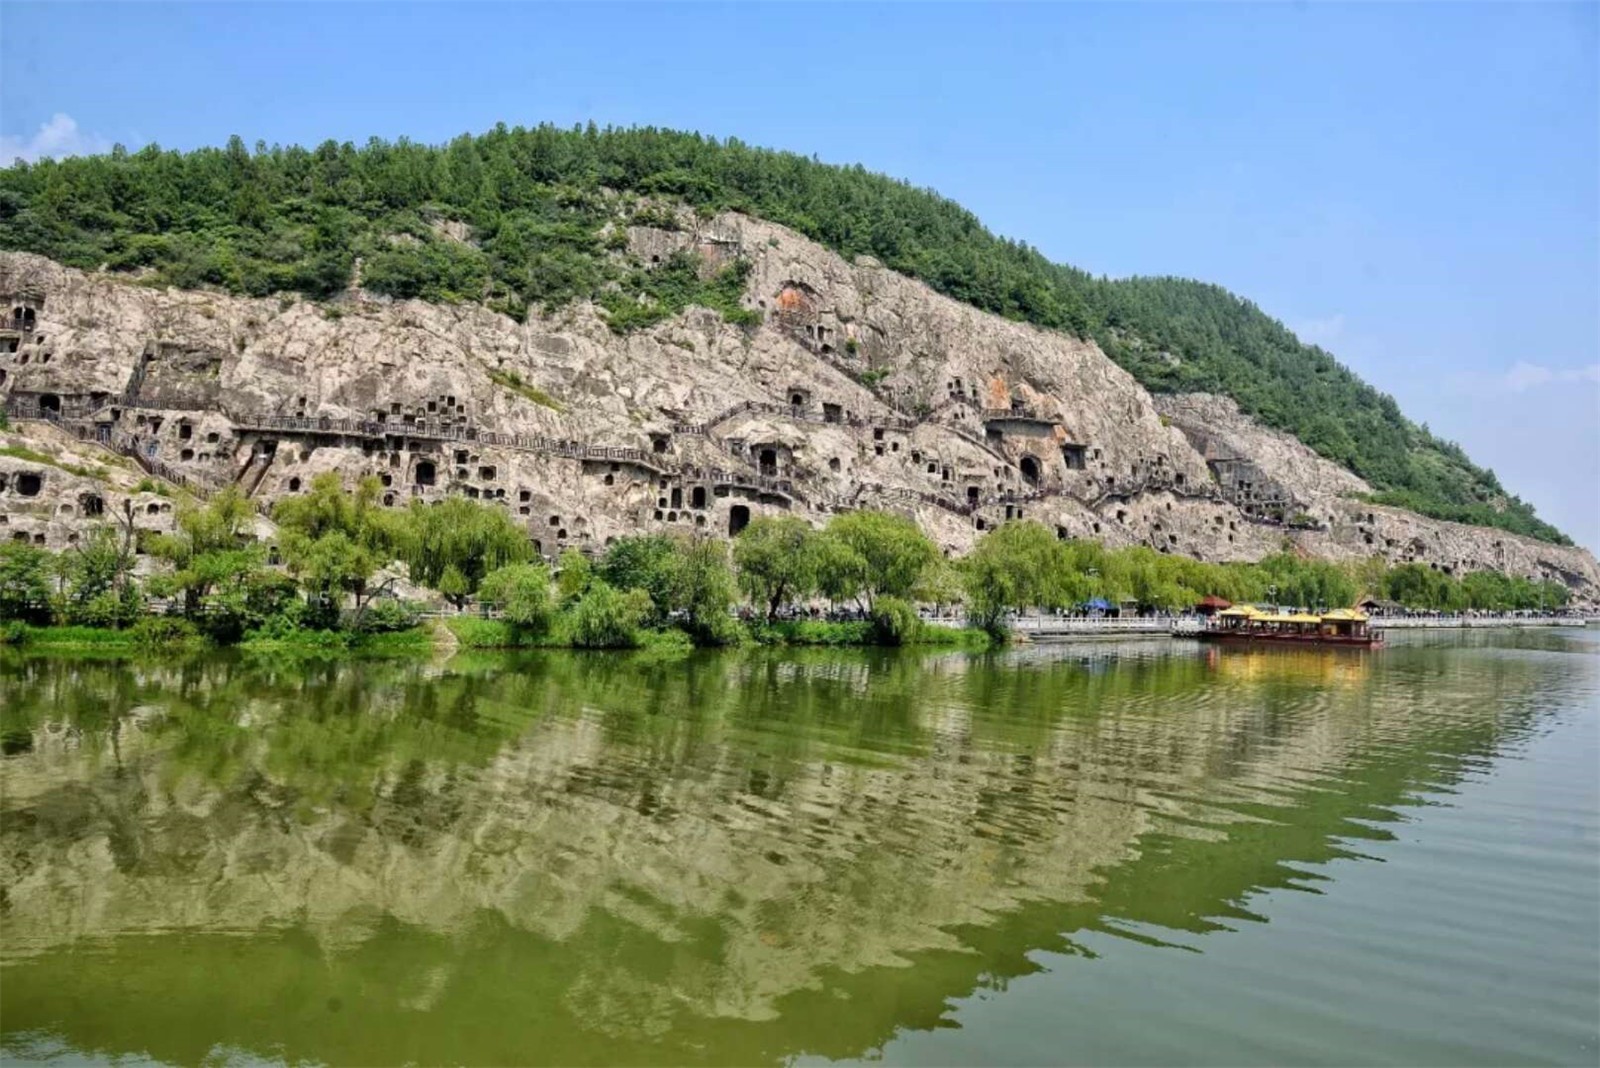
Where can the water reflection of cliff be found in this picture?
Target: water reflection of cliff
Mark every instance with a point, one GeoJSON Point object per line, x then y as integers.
{"type": "Point", "coordinates": [733, 858]}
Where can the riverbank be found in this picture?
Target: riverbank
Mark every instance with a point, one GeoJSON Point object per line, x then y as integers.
{"type": "Point", "coordinates": [476, 632]}
{"type": "Point", "coordinates": [470, 632]}
{"type": "Point", "coordinates": [162, 638]}
{"type": "Point", "coordinates": [160, 634]}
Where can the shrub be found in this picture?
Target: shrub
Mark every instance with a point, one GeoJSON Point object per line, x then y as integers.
{"type": "Point", "coordinates": [282, 627]}
{"type": "Point", "coordinates": [279, 632]}
{"type": "Point", "coordinates": [164, 632]}
{"type": "Point", "coordinates": [25, 573]}
{"type": "Point", "coordinates": [386, 615]}
{"type": "Point", "coordinates": [474, 632]}
{"type": "Point", "coordinates": [522, 593]}
{"type": "Point", "coordinates": [109, 608]}
{"type": "Point", "coordinates": [606, 619]}
{"type": "Point", "coordinates": [894, 621]}
{"type": "Point", "coordinates": [665, 643]}
{"type": "Point", "coordinates": [812, 632]}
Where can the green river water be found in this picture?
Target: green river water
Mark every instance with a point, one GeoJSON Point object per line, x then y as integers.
{"type": "Point", "coordinates": [1142, 852]}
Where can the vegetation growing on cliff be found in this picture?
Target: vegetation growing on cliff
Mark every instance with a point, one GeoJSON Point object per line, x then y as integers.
{"type": "Point", "coordinates": [541, 208]}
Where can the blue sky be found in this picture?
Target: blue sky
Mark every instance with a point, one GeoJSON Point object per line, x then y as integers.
{"type": "Point", "coordinates": [1417, 188]}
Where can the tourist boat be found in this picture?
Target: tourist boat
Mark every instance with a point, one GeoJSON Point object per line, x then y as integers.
{"type": "Point", "coordinates": [1244, 625]}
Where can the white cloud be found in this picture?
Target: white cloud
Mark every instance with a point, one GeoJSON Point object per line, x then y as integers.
{"type": "Point", "coordinates": [1524, 375]}
{"type": "Point", "coordinates": [56, 139]}
{"type": "Point", "coordinates": [1324, 332]}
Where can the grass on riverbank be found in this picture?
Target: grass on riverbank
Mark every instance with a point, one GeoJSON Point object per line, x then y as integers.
{"type": "Point", "coordinates": [342, 642]}
{"type": "Point", "coordinates": [67, 637]}
{"type": "Point", "coordinates": [474, 632]}
{"type": "Point", "coordinates": [158, 634]}
{"type": "Point", "coordinates": [858, 632]}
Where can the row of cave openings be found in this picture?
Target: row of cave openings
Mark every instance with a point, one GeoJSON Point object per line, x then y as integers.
{"type": "Point", "coordinates": [21, 320]}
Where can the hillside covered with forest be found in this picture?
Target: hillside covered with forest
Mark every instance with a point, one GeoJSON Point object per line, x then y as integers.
{"type": "Point", "coordinates": [539, 207]}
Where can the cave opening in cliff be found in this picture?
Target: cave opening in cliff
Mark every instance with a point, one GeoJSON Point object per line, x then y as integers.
{"type": "Point", "coordinates": [49, 402]}
{"type": "Point", "coordinates": [425, 473]}
{"type": "Point", "coordinates": [1030, 469]}
{"type": "Point", "coordinates": [738, 519]}
{"type": "Point", "coordinates": [769, 461]}
{"type": "Point", "coordinates": [29, 484]}
{"type": "Point", "coordinates": [697, 497]}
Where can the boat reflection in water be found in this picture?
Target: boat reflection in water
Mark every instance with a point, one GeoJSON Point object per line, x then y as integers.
{"type": "Point", "coordinates": [1307, 665]}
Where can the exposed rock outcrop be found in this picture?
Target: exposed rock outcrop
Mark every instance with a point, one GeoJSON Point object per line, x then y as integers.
{"type": "Point", "coordinates": [860, 388]}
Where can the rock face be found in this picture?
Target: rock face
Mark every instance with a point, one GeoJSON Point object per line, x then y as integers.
{"type": "Point", "coordinates": [859, 388]}
{"type": "Point", "coordinates": [54, 489]}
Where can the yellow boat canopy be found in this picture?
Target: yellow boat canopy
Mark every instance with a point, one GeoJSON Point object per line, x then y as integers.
{"type": "Point", "coordinates": [1305, 618]}
{"type": "Point", "coordinates": [1345, 615]}
{"type": "Point", "coordinates": [1240, 611]}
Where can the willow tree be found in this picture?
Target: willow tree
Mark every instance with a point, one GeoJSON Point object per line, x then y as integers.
{"type": "Point", "coordinates": [1014, 566]}
{"type": "Point", "coordinates": [522, 593]}
{"type": "Point", "coordinates": [212, 547]}
{"type": "Point", "coordinates": [335, 541]}
{"type": "Point", "coordinates": [867, 555]}
{"type": "Point", "coordinates": [452, 545]}
{"type": "Point", "coordinates": [777, 558]}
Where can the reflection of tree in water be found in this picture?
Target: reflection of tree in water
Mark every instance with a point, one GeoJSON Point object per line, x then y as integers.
{"type": "Point", "coordinates": [720, 859]}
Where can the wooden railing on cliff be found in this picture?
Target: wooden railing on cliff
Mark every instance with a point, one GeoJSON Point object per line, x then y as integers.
{"type": "Point", "coordinates": [117, 441]}
{"type": "Point", "coordinates": [79, 415]}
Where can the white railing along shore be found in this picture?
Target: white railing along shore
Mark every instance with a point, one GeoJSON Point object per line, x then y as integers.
{"type": "Point", "coordinates": [1054, 625]}
{"type": "Point", "coordinates": [1450, 622]}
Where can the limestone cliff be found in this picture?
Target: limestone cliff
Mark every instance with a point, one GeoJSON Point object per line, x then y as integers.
{"type": "Point", "coordinates": [859, 388]}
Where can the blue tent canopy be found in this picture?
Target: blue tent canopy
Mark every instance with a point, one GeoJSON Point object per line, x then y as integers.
{"type": "Point", "coordinates": [1100, 603]}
